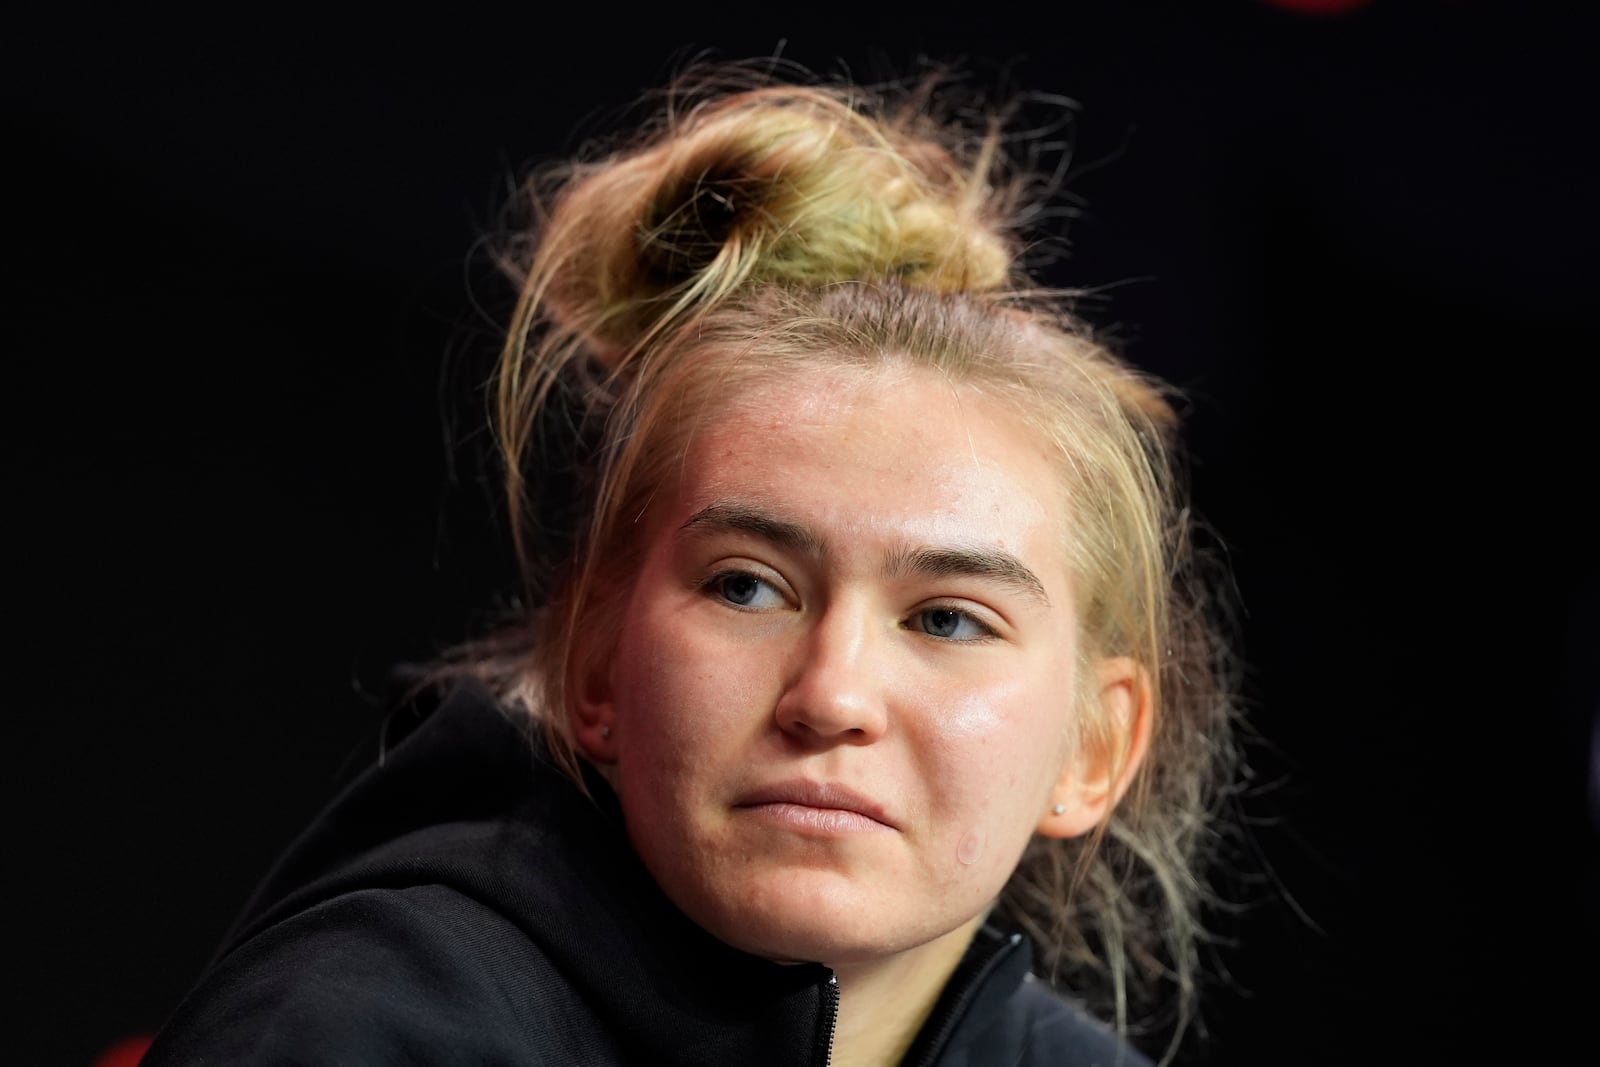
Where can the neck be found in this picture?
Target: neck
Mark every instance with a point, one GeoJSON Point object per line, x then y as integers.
{"type": "Point", "coordinates": [883, 1004]}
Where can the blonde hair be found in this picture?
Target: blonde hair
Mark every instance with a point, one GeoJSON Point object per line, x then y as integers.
{"type": "Point", "coordinates": [756, 227]}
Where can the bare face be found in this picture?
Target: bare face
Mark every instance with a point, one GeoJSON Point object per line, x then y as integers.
{"type": "Point", "coordinates": [841, 698]}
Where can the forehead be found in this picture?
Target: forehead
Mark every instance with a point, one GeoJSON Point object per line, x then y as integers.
{"type": "Point", "coordinates": [881, 454]}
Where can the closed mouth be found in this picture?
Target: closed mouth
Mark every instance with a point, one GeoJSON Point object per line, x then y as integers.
{"type": "Point", "coordinates": [821, 796]}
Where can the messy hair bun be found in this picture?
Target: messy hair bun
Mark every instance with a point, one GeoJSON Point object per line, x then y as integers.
{"type": "Point", "coordinates": [782, 184]}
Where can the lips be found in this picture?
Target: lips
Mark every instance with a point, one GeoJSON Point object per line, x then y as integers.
{"type": "Point", "coordinates": [823, 796]}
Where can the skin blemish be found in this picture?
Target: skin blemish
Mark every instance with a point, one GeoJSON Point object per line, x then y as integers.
{"type": "Point", "coordinates": [970, 848]}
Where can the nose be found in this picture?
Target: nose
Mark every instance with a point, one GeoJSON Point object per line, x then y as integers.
{"type": "Point", "coordinates": [836, 688]}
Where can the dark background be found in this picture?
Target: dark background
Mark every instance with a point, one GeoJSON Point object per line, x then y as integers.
{"type": "Point", "coordinates": [245, 463]}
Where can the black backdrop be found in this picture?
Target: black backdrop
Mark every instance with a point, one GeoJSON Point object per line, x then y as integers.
{"type": "Point", "coordinates": [244, 475]}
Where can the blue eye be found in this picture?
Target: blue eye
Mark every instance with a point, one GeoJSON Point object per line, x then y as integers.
{"type": "Point", "coordinates": [950, 625]}
{"type": "Point", "coordinates": [744, 590]}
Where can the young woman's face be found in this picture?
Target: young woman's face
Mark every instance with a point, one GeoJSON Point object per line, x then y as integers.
{"type": "Point", "coordinates": [842, 691]}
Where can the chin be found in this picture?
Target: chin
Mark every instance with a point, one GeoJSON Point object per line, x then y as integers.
{"type": "Point", "coordinates": [813, 919]}
{"type": "Point", "coordinates": [783, 940]}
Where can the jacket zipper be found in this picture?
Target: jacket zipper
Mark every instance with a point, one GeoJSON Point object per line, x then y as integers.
{"type": "Point", "coordinates": [830, 1007]}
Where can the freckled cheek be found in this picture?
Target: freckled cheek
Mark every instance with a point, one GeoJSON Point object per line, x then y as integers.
{"type": "Point", "coordinates": [669, 732]}
{"type": "Point", "coordinates": [688, 689]}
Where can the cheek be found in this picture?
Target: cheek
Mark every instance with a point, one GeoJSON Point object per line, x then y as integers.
{"type": "Point", "coordinates": [1015, 727]}
{"type": "Point", "coordinates": [994, 754]}
{"type": "Point", "coordinates": [974, 716]}
{"type": "Point", "coordinates": [681, 696]}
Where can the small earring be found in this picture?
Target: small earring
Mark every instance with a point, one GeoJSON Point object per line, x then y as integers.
{"type": "Point", "coordinates": [605, 733]}
{"type": "Point", "coordinates": [1059, 809]}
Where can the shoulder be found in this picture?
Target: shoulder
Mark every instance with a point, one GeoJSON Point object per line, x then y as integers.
{"type": "Point", "coordinates": [413, 921]}
{"type": "Point", "coordinates": [1039, 1028]}
{"type": "Point", "coordinates": [995, 1010]}
{"type": "Point", "coordinates": [421, 973]}
{"type": "Point", "coordinates": [1065, 1032]}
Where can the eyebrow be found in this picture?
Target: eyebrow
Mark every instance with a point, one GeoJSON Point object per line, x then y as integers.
{"type": "Point", "coordinates": [985, 563]}
{"type": "Point", "coordinates": [988, 564]}
{"type": "Point", "coordinates": [718, 517]}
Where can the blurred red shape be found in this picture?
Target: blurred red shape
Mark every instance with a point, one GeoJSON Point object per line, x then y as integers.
{"type": "Point", "coordinates": [125, 1053]}
{"type": "Point", "coordinates": [1320, 7]}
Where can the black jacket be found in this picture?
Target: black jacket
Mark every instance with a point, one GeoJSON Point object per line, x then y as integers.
{"type": "Point", "coordinates": [463, 903]}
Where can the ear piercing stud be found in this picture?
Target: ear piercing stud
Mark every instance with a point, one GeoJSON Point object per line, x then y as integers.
{"type": "Point", "coordinates": [605, 733]}
{"type": "Point", "coordinates": [1059, 809]}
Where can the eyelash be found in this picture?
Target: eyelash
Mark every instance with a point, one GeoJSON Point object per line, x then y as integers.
{"type": "Point", "coordinates": [985, 631]}
{"type": "Point", "coordinates": [716, 586]}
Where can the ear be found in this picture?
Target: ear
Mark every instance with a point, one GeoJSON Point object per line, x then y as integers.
{"type": "Point", "coordinates": [1104, 764]}
{"type": "Point", "coordinates": [592, 709]}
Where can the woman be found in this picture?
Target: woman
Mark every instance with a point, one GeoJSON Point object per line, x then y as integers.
{"type": "Point", "coordinates": [868, 672]}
